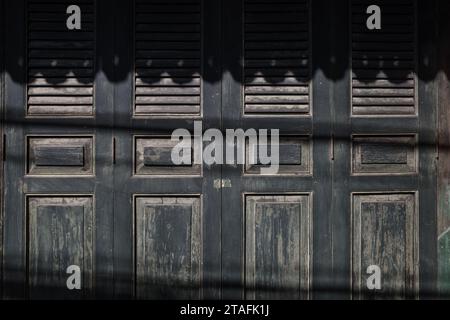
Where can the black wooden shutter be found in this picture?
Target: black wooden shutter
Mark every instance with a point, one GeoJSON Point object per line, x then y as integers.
{"type": "Point", "coordinates": [384, 61]}
{"type": "Point", "coordinates": [168, 48]}
{"type": "Point", "coordinates": [60, 61]}
{"type": "Point", "coordinates": [276, 57]}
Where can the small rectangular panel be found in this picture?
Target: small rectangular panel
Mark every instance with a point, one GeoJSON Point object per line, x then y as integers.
{"type": "Point", "coordinates": [294, 156]}
{"type": "Point", "coordinates": [60, 235]}
{"type": "Point", "coordinates": [168, 247]}
{"type": "Point", "coordinates": [385, 234]}
{"type": "Point", "coordinates": [61, 63]}
{"type": "Point", "coordinates": [168, 58]}
{"type": "Point", "coordinates": [277, 242]}
{"type": "Point", "coordinates": [60, 155]}
{"type": "Point", "coordinates": [384, 60]}
{"type": "Point", "coordinates": [276, 54]}
{"type": "Point", "coordinates": [153, 156]}
{"type": "Point", "coordinates": [379, 155]}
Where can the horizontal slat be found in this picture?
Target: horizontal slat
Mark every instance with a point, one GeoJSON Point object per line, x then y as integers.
{"type": "Point", "coordinates": [275, 99]}
{"type": "Point", "coordinates": [277, 89]}
{"type": "Point", "coordinates": [382, 84]}
{"type": "Point", "coordinates": [49, 63]}
{"type": "Point", "coordinates": [167, 90]}
{"type": "Point", "coordinates": [383, 61]}
{"type": "Point", "coordinates": [168, 44]}
{"type": "Point", "coordinates": [60, 110]}
{"type": "Point", "coordinates": [380, 101]}
{"type": "Point", "coordinates": [380, 73]}
{"type": "Point", "coordinates": [276, 108]}
{"type": "Point", "coordinates": [277, 81]}
{"type": "Point", "coordinates": [154, 72]}
{"type": "Point", "coordinates": [390, 110]}
{"type": "Point", "coordinates": [59, 82]}
{"type": "Point", "coordinates": [61, 91]}
{"type": "Point", "coordinates": [48, 100]}
{"type": "Point", "coordinates": [382, 92]}
{"type": "Point", "coordinates": [164, 109]}
{"type": "Point", "coordinates": [60, 63]}
{"type": "Point", "coordinates": [173, 81]}
{"type": "Point", "coordinates": [167, 99]}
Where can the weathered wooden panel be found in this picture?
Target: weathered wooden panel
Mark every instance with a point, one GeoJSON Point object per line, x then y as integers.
{"type": "Point", "coordinates": [276, 57]}
{"type": "Point", "coordinates": [168, 51]}
{"type": "Point", "coordinates": [168, 247]}
{"type": "Point", "coordinates": [294, 156]}
{"type": "Point", "coordinates": [277, 246]}
{"type": "Point", "coordinates": [443, 172]}
{"type": "Point", "coordinates": [385, 234]}
{"type": "Point", "coordinates": [60, 155]}
{"type": "Point", "coordinates": [384, 154]}
{"type": "Point", "coordinates": [60, 63]}
{"type": "Point", "coordinates": [384, 61]}
{"type": "Point", "coordinates": [153, 156]}
{"type": "Point", "coordinates": [60, 235]}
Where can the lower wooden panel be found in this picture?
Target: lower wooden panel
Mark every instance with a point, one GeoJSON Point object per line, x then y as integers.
{"type": "Point", "coordinates": [168, 249]}
{"type": "Point", "coordinates": [60, 235]}
{"type": "Point", "coordinates": [277, 246]}
{"type": "Point", "coordinates": [385, 234]}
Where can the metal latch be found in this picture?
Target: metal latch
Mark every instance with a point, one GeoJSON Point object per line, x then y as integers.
{"type": "Point", "coordinates": [222, 183]}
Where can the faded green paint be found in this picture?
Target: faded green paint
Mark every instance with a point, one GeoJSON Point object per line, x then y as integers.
{"type": "Point", "coordinates": [444, 210]}
{"type": "Point", "coordinates": [444, 264]}
{"type": "Point", "coordinates": [444, 243]}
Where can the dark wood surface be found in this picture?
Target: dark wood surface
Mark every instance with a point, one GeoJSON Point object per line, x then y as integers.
{"type": "Point", "coordinates": [88, 179]}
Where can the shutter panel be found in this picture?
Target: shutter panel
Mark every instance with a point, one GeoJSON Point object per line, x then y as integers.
{"type": "Point", "coordinates": [60, 61]}
{"type": "Point", "coordinates": [168, 57]}
{"type": "Point", "coordinates": [384, 61]}
{"type": "Point", "coordinates": [276, 57]}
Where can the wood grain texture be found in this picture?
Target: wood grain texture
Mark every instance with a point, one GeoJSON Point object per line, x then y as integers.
{"type": "Point", "coordinates": [168, 51]}
{"type": "Point", "coordinates": [168, 247]}
{"type": "Point", "coordinates": [384, 61]}
{"type": "Point", "coordinates": [60, 155]}
{"type": "Point", "coordinates": [61, 234]}
{"type": "Point", "coordinates": [385, 234]}
{"type": "Point", "coordinates": [153, 156]}
{"type": "Point", "coordinates": [276, 57]}
{"type": "Point", "coordinates": [443, 181]}
{"type": "Point", "coordinates": [383, 154]}
{"type": "Point", "coordinates": [277, 246]}
{"type": "Point", "coordinates": [60, 63]}
{"type": "Point", "coordinates": [295, 156]}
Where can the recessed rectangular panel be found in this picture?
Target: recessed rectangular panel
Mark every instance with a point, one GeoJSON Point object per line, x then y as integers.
{"type": "Point", "coordinates": [153, 156]}
{"type": "Point", "coordinates": [168, 57]}
{"type": "Point", "coordinates": [384, 60]}
{"type": "Point", "coordinates": [168, 247]}
{"type": "Point", "coordinates": [384, 155]}
{"type": "Point", "coordinates": [277, 62]}
{"type": "Point", "coordinates": [294, 156]}
{"type": "Point", "coordinates": [60, 65]}
{"type": "Point", "coordinates": [60, 155]}
{"type": "Point", "coordinates": [385, 236]}
{"type": "Point", "coordinates": [277, 242]}
{"type": "Point", "coordinates": [60, 235]}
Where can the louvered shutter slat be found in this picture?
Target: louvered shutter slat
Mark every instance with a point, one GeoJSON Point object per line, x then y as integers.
{"type": "Point", "coordinates": [168, 57]}
{"type": "Point", "coordinates": [383, 61]}
{"type": "Point", "coordinates": [276, 57]}
{"type": "Point", "coordinates": [60, 61]}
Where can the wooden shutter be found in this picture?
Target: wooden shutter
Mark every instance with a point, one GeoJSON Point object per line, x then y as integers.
{"type": "Point", "coordinates": [60, 61]}
{"type": "Point", "coordinates": [167, 57]}
{"type": "Point", "coordinates": [384, 61]}
{"type": "Point", "coordinates": [276, 57]}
